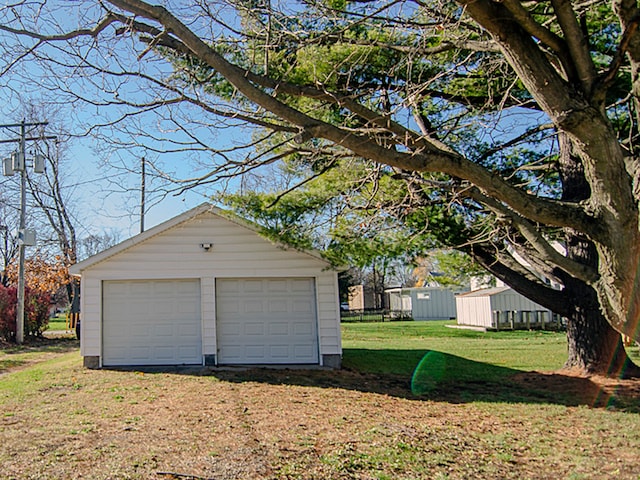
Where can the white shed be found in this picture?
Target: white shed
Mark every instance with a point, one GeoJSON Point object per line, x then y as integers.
{"type": "Point", "coordinates": [500, 307]}
{"type": "Point", "coordinates": [423, 303]}
{"type": "Point", "coordinates": [204, 288]}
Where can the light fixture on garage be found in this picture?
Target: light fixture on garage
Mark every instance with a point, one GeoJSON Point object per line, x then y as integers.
{"type": "Point", "coordinates": [206, 246]}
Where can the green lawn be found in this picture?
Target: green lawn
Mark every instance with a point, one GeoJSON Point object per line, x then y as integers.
{"type": "Point", "coordinates": [398, 347]}
{"type": "Point", "coordinates": [456, 363]}
{"type": "Point", "coordinates": [57, 323]}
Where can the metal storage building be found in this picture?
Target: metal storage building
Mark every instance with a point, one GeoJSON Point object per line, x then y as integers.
{"type": "Point", "coordinates": [423, 303]}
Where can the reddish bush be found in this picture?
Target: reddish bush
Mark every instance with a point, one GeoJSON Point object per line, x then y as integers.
{"type": "Point", "coordinates": [36, 312]}
{"type": "Point", "coordinates": [8, 303]}
{"type": "Point", "coordinates": [36, 309]}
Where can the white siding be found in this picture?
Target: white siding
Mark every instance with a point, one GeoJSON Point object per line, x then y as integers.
{"type": "Point", "coordinates": [512, 300]}
{"type": "Point", "coordinates": [474, 311]}
{"type": "Point", "coordinates": [328, 309]}
{"type": "Point", "coordinates": [476, 308]}
{"type": "Point", "coordinates": [91, 312]}
{"type": "Point", "coordinates": [237, 251]}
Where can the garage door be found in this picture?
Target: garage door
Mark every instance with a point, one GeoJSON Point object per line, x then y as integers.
{"type": "Point", "coordinates": [266, 321]}
{"type": "Point", "coordinates": [151, 322]}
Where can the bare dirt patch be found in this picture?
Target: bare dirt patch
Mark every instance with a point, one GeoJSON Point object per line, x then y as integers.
{"type": "Point", "coordinates": [69, 422]}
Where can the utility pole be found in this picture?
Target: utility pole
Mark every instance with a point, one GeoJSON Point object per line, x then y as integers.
{"type": "Point", "coordinates": [18, 163]}
{"type": "Point", "coordinates": [21, 232]}
{"type": "Point", "coordinates": [142, 193]}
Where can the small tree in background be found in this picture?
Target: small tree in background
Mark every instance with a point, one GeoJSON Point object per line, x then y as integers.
{"type": "Point", "coordinates": [43, 278]}
{"type": "Point", "coordinates": [41, 274]}
{"type": "Point", "coordinates": [37, 305]}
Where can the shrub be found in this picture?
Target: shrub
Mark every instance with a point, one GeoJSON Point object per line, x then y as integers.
{"type": "Point", "coordinates": [36, 312]}
{"type": "Point", "coordinates": [8, 304]}
{"type": "Point", "coordinates": [36, 306]}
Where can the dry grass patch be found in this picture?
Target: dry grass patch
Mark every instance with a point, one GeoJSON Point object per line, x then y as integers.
{"type": "Point", "coordinates": [61, 421]}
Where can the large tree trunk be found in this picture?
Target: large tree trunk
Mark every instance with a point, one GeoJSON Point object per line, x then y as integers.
{"type": "Point", "coordinates": [594, 347]}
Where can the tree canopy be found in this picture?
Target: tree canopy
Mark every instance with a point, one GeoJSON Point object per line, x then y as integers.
{"type": "Point", "coordinates": [520, 118]}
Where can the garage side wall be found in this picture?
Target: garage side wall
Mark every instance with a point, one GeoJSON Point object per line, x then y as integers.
{"type": "Point", "coordinates": [90, 306]}
{"type": "Point", "coordinates": [236, 251]}
{"type": "Point", "coordinates": [328, 317]}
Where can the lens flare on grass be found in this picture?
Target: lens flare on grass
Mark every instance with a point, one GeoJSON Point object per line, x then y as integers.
{"type": "Point", "coordinates": [429, 372]}
{"type": "Point", "coordinates": [605, 399]}
{"type": "Point", "coordinates": [608, 397]}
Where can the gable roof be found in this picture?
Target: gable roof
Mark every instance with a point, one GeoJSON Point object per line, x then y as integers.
{"type": "Point", "coordinates": [173, 222]}
{"type": "Point", "coordinates": [485, 292]}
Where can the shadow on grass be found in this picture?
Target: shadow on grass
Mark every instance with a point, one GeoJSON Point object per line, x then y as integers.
{"type": "Point", "coordinates": [7, 364]}
{"type": "Point", "coordinates": [433, 376]}
{"type": "Point", "coordinates": [437, 376]}
{"type": "Point", "coordinates": [62, 344]}
{"type": "Point", "coordinates": [33, 350]}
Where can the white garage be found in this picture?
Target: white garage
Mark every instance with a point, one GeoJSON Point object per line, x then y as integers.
{"type": "Point", "coordinates": [204, 288]}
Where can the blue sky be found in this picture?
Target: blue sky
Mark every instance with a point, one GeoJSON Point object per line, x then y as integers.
{"type": "Point", "coordinates": [105, 199]}
{"type": "Point", "coordinates": [104, 176]}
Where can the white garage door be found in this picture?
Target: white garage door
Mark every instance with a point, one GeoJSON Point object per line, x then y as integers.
{"type": "Point", "coordinates": [151, 322]}
{"type": "Point", "coordinates": [266, 321]}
